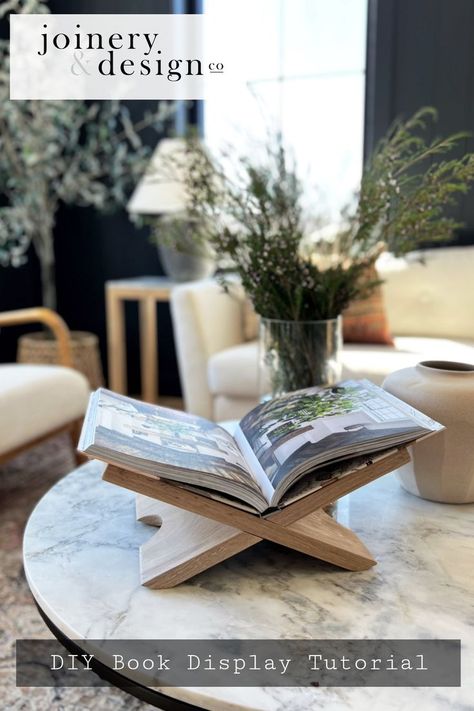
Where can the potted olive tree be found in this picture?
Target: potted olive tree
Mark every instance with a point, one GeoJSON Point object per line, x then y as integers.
{"type": "Point", "coordinates": [54, 152]}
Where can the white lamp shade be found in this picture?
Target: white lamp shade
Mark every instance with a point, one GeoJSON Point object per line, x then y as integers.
{"type": "Point", "coordinates": [162, 188]}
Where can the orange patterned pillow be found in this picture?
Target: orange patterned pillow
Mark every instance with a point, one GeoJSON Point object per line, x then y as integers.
{"type": "Point", "coordinates": [365, 321]}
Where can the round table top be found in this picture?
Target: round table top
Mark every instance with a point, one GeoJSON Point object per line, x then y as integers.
{"type": "Point", "coordinates": [81, 561]}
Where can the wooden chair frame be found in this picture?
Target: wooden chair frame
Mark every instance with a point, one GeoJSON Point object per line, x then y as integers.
{"type": "Point", "coordinates": [61, 333]}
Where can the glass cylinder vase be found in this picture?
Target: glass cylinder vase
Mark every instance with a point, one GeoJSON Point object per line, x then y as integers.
{"type": "Point", "coordinates": [298, 354]}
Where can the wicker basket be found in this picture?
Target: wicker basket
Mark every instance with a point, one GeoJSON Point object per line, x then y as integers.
{"type": "Point", "coordinates": [41, 348]}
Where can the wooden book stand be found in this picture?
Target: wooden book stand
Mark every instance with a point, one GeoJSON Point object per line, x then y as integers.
{"type": "Point", "coordinates": [197, 532]}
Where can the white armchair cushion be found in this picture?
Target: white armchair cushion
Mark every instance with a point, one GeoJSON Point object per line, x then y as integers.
{"type": "Point", "coordinates": [37, 399]}
{"type": "Point", "coordinates": [234, 371]}
{"type": "Point", "coordinates": [233, 408]}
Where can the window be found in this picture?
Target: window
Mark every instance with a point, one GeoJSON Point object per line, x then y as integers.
{"type": "Point", "coordinates": [302, 72]}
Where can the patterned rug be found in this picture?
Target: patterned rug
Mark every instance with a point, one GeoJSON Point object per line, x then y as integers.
{"type": "Point", "coordinates": [22, 483]}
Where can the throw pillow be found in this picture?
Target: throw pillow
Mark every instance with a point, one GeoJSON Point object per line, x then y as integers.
{"type": "Point", "coordinates": [365, 321]}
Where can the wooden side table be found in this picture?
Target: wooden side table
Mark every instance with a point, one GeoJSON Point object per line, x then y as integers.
{"type": "Point", "coordinates": [148, 291]}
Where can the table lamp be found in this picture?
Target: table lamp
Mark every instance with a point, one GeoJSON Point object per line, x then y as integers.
{"type": "Point", "coordinates": [161, 193]}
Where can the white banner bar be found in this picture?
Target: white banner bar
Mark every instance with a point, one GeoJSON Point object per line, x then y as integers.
{"type": "Point", "coordinates": [115, 57]}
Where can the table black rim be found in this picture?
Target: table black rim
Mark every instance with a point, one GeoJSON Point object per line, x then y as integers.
{"type": "Point", "coordinates": [139, 691]}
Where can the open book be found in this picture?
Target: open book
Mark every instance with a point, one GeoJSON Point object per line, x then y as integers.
{"type": "Point", "coordinates": [281, 450]}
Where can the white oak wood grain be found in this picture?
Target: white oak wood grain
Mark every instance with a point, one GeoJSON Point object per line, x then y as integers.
{"type": "Point", "coordinates": [197, 532]}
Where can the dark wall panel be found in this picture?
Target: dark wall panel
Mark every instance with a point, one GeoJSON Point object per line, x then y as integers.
{"type": "Point", "coordinates": [419, 53]}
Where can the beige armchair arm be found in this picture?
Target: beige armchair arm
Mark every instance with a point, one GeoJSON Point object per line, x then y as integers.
{"type": "Point", "coordinates": [48, 318]}
{"type": "Point", "coordinates": [205, 321]}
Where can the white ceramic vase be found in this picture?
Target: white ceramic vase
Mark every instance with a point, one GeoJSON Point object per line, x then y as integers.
{"type": "Point", "coordinates": [442, 466]}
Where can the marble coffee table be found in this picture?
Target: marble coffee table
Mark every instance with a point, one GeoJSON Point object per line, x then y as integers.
{"type": "Point", "coordinates": [81, 561]}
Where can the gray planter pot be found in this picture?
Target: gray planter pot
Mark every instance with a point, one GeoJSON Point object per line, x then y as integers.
{"type": "Point", "coordinates": [185, 266]}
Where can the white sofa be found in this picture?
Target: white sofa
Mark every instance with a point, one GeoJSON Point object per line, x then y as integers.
{"type": "Point", "coordinates": [430, 310]}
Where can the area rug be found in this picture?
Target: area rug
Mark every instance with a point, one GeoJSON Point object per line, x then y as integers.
{"type": "Point", "coordinates": [22, 483]}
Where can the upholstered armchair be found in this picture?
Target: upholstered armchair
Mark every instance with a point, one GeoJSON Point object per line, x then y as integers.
{"type": "Point", "coordinates": [39, 401]}
{"type": "Point", "coordinates": [429, 309]}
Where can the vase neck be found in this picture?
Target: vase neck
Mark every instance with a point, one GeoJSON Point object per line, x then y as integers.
{"type": "Point", "coordinates": [445, 367]}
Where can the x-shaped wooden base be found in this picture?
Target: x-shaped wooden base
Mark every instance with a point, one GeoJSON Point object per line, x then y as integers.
{"type": "Point", "coordinates": [197, 532]}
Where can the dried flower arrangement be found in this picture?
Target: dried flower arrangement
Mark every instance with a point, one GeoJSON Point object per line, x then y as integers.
{"type": "Point", "coordinates": [257, 219]}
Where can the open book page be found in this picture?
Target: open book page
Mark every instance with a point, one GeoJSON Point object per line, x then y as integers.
{"type": "Point", "coordinates": [299, 432]}
{"type": "Point", "coordinates": [172, 444]}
